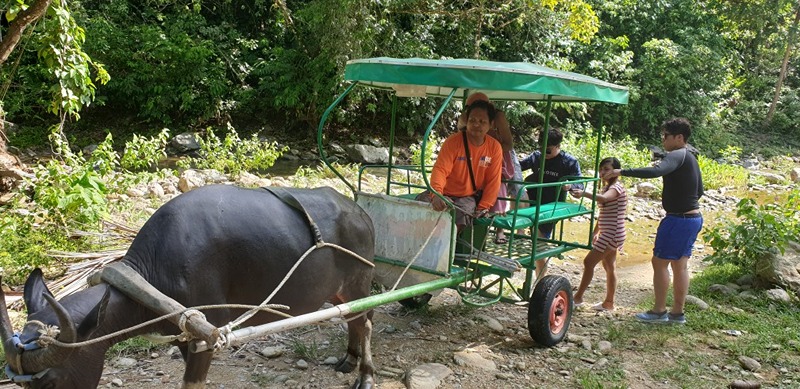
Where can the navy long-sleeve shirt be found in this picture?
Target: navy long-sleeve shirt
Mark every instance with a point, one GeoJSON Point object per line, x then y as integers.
{"type": "Point", "coordinates": [683, 182]}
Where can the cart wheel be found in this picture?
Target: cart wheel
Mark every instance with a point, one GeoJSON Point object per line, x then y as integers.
{"type": "Point", "coordinates": [550, 310]}
{"type": "Point", "coordinates": [416, 302]}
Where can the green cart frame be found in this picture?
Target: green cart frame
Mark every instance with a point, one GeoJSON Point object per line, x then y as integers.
{"type": "Point", "coordinates": [417, 250]}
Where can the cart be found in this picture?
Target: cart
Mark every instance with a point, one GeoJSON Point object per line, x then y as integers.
{"type": "Point", "coordinates": [418, 252]}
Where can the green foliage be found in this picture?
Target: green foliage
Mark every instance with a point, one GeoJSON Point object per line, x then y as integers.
{"type": "Point", "coordinates": [75, 190]}
{"type": "Point", "coordinates": [25, 239]}
{"type": "Point", "coordinates": [759, 230]}
{"type": "Point", "coordinates": [132, 346]}
{"type": "Point", "coordinates": [145, 153]}
{"type": "Point", "coordinates": [580, 140]}
{"type": "Point", "coordinates": [731, 154]}
{"type": "Point", "coordinates": [718, 175]}
{"type": "Point", "coordinates": [306, 351]}
{"type": "Point", "coordinates": [233, 154]}
{"type": "Point", "coordinates": [175, 69]}
{"type": "Point", "coordinates": [64, 58]}
{"type": "Point", "coordinates": [431, 146]}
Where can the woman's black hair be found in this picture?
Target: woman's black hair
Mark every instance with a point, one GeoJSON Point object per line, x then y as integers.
{"type": "Point", "coordinates": [614, 165]}
{"type": "Point", "coordinates": [482, 104]}
{"type": "Point", "coordinates": [613, 161]}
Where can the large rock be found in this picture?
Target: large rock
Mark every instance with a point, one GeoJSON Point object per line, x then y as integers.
{"type": "Point", "coordinates": [645, 189]}
{"type": "Point", "coordinates": [794, 174]}
{"type": "Point", "coordinates": [190, 179]}
{"type": "Point", "coordinates": [367, 153]}
{"type": "Point", "coordinates": [771, 178]}
{"type": "Point", "coordinates": [186, 142]}
{"type": "Point", "coordinates": [427, 376]}
{"type": "Point", "coordinates": [781, 269]}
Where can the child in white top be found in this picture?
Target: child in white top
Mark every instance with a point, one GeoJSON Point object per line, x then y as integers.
{"type": "Point", "coordinates": [609, 235]}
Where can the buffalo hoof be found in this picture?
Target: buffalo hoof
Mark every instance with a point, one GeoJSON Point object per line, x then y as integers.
{"type": "Point", "coordinates": [364, 382]}
{"type": "Point", "coordinates": [346, 364]}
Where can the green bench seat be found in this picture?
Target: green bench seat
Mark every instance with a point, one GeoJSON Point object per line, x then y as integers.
{"type": "Point", "coordinates": [548, 213]}
{"type": "Point", "coordinates": [408, 196]}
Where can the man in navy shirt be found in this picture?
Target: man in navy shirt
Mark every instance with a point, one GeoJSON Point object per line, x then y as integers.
{"type": "Point", "coordinates": [677, 232]}
{"type": "Point", "coordinates": [558, 164]}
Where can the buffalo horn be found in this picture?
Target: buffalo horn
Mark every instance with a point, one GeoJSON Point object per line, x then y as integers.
{"type": "Point", "coordinates": [53, 355]}
{"type": "Point", "coordinates": [6, 330]}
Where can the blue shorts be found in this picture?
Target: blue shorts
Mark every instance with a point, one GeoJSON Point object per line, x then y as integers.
{"type": "Point", "coordinates": [546, 229]}
{"type": "Point", "coordinates": [676, 235]}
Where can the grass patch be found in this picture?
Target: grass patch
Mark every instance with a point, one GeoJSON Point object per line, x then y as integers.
{"type": "Point", "coordinates": [133, 346]}
{"type": "Point", "coordinates": [307, 351]}
{"type": "Point", "coordinates": [705, 351]}
{"type": "Point", "coordinates": [610, 377]}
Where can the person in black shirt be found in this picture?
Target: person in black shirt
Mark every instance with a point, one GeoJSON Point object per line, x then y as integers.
{"type": "Point", "coordinates": [677, 232]}
{"type": "Point", "coordinates": [557, 165]}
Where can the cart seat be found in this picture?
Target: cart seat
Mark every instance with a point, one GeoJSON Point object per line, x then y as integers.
{"type": "Point", "coordinates": [547, 213]}
{"type": "Point", "coordinates": [408, 196]}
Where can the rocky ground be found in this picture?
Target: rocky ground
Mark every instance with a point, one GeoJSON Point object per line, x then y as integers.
{"type": "Point", "coordinates": [446, 346]}
{"type": "Point", "coordinates": [449, 345]}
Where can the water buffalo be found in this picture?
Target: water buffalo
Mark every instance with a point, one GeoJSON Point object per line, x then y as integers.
{"type": "Point", "coordinates": [213, 245]}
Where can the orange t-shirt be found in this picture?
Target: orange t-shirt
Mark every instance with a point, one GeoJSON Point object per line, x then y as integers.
{"type": "Point", "coordinates": [450, 175]}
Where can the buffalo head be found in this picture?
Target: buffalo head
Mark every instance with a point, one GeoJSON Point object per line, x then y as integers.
{"type": "Point", "coordinates": [34, 363]}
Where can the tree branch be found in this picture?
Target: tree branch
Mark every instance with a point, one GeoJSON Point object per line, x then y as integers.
{"type": "Point", "coordinates": [17, 27]}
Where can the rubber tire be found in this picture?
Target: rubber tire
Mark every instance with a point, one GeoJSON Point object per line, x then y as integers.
{"type": "Point", "coordinates": [416, 302]}
{"type": "Point", "coordinates": [550, 310]}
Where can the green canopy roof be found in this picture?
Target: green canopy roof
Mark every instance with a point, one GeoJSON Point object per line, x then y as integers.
{"type": "Point", "coordinates": [518, 81]}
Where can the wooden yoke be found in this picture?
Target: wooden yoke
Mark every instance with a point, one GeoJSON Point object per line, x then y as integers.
{"type": "Point", "coordinates": [133, 285]}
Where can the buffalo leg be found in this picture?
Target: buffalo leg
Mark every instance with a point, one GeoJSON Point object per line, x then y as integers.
{"type": "Point", "coordinates": [366, 367]}
{"type": "Point", "coordinates": [358, 345]}
{"type": "Point", "coordinates": [197, 366]}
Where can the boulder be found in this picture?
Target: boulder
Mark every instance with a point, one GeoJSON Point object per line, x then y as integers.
{"type": "Point", "coordinates": [189, 180]}
{"type": "Point", "coordinates": [794, 174]}
{"type": "Point", "coordinates": [645, 189]}
{"type": "Point", "coordinates": [367, 153]}
{"type": "Point", "coordinates": [771, 178]}
{"type": "Point", "coordinates": [781, 269]}
{"type": "Point", "coordinates": [185, 142]}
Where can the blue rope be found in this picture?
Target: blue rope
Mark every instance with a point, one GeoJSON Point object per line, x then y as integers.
{"type": "Point", "coordinates": [24, 346]}
{"type": "Point", "coordinates": [19, 378]}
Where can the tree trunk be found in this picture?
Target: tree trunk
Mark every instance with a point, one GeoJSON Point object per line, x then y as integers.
{"type": "Point", "coordinates": [784, 66]}
{"type": "Point", "coordinates": [17, 27]}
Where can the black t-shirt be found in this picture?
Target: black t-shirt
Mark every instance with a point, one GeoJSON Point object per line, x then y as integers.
{"type": "Point", "coordinates": [683, 182]}
{"type": "Point", "coordinates": [555, 169]}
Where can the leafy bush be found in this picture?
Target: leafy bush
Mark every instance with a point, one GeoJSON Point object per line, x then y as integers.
{"type": "Point", "coordinates": [144, 153]}
{"type": "Point", "coordinates": [760, 229]}
{"type": "Point", "coordinates": [731, 154]}
{"type": "Point", "coordinates": [580, 140]}
{"type": "Point", "coordinates": [74, 189]}
{"type": "Point", "coordinates": [24, 244]}
{"type": "Point", "coordinates": [232, 154]}
{"type": "Point", "coordinates": [717, 175]}
{"type": "Point", "coordinates": [431, 147]}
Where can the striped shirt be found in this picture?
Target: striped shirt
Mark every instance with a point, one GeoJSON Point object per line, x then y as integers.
{"type": "Point", "coordinates": [611, 221]}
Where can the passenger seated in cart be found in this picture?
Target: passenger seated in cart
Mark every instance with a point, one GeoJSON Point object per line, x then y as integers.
{"type": "Point", "coordinates": [511, 169]}
{"type": "Point", "coordinates": [469, 177]}
{"type": "Point", "coordinates": [558, 164]}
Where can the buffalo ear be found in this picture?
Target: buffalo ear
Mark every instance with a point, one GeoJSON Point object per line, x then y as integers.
{"type": "Point", "coordinates": [94, 317]}
{"type": "Point", "coordinates": [34, 290]}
